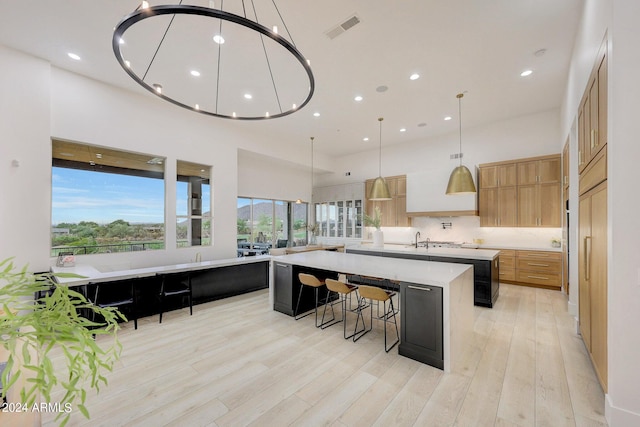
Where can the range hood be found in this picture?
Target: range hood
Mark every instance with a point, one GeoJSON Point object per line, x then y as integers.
{"type": "Point", "coordinates": [426, 196]}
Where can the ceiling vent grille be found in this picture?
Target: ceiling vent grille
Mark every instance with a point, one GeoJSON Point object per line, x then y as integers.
{"type": "Point", "coordinates": [349, 23]}
{"type": "Point", "coordinates": [456, 156]}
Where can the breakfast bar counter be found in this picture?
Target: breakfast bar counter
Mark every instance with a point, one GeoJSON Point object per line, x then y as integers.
{"type": "Point", "coordinates": [436, 298]}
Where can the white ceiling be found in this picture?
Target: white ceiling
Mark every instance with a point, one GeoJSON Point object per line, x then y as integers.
{"type": "Point", "coordinates": [455, 45]}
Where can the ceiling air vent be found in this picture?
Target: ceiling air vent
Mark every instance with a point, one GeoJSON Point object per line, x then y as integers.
{"type": "Point", "coordinates": [349, 23]}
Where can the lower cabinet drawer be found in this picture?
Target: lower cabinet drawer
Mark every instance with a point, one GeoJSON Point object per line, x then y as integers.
{"type": "Point", "coordinates": [542, 265]}
{"type": "Point", "coordinates": [539, 278]}
{"type": "Point", "coordinates": [507, 273]}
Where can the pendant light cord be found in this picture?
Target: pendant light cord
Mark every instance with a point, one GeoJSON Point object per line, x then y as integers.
{"type": "Point", "coordinates": [312, 169]}
{"type": "Point", "coordinates": [380, 153]}
{"type": "Point", "coordinates": [459, 96]}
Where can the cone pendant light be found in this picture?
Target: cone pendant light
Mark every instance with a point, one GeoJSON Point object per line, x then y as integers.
{"type": "Point", "coordinates": [380, 189]}
{"type": "Point", "coordinates": [460, 181]}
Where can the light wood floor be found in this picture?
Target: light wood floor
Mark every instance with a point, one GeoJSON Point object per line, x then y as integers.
{"type": "Point", "coordinates": [236, 362]}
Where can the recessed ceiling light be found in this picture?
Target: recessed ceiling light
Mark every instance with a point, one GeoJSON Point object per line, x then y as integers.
{"type": "Point", "coordinates": [248, 96]}
{"type": "Point", "coordinates": [74, 56]}
{"type": "Point", "coordinates": [195, 73]}
{"type": "Point", "coordinates": [365, 139]}
{"type": "Point", "coordinates": [447, 118]}
{"type": "Point", "coordinates": [218, 39]}
{"type": "Point", "coordinates": [403, 130]}
{"type": "Point", "coordinates": [526, 73]}
{"type": "Point", "coordinates": [316, 114]}
{"type": "Point", "coordinates": [358, 98]}
{"type": "Point", "coordinates": [382, 88]}
{"type": "Point", "coordinates": [414, 76]}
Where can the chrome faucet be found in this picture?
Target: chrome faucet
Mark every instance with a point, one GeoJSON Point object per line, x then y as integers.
{"type": "Point", "coordinates": [417, 235]}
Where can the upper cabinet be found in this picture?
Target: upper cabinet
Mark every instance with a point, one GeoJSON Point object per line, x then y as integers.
{"type": "Point", "coordinates": [497, 195]}
{"type": "Point", "coordinates": [592, 115]}
{"type": "Point", "coordinates": [394, 211]}
{"type": "Point", "coordinates": [521, 193]}
{"type": "Point", "coordinates": [426, 196]}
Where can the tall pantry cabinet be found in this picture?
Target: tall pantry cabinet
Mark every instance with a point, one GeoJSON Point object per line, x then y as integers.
{"type": "Point", "coordinates": [592, 217]}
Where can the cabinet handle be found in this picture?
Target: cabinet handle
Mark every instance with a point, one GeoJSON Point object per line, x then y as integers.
{"type": "Point", "coordinates": [418, 288]}
{"type": "Point", "coordinates": [580, 161]}
{"type": "Point", "coordinates": [283, 265]}
{"type": "Point", "coordinates": [538, 255]}
{"type": "Point", "coordinates": [594, 135]}
{"type": "Point", "coordinates": [587, 255]}
{"type": "Point", "coordinates": [538, 277]}
{"type": "Point", "coordinates": [538, 265]}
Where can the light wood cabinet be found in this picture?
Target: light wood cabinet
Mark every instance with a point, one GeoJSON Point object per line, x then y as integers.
{"type": "Point", "coordinates": [507, 261]}
{"type": "Point", "coordinates": [539, 192]}
{"type": "Point", "coordinates": [497, 196]}
{"type": "Point", "coordinates": [501, 175]}
{"type": "Point", "coordinates": [593, 114]}
{"type": "Point", "coordinates": [543, 268]}
{"type": "Point", "coordinates": [531, 268]}
{"type": "Point", "coordinates": [394, 211]}
{"type": "Point", "coordinates": [521, 193]}
{"type": "Point", "coordinates": [592, 271]}
{"type": "Point", "coordinates": [592, 217]}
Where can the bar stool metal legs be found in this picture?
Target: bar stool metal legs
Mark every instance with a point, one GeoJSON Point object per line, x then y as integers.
{"type": "Point", "coordinates": [312, 282]}
{"type": "Point", "coordinates": [344, 292]}
{"type": "Point", "coordinates": [389, 314]}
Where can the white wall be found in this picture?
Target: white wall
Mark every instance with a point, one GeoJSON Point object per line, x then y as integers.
{"type": "Point", "coordinates": [24, 136]}
{"type": "Point", "coordinates": [270, 178]}
{"type": "Point", "coordinates": [527, 136]}
{"type": "Point", "coordinates": [624, 205]}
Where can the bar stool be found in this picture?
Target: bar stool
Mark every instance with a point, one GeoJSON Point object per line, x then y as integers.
{"type": "Point", "coordinates": [118, 295]}
{"type": "Point", "coordinates": [175, 285]}
{"type": "Point", "coordinates": [373, 293]}
{"type": "Point", "coordinates": [311, 281]}
{"type": "Point", "coordinates": [344, 291]}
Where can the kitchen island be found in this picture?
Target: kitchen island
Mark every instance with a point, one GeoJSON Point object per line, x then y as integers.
{"type": "Point", "coordinates": [436, 299]}
{"type": "Point", "coordinates": [486, 267]}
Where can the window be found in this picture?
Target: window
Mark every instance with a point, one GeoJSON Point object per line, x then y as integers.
{"type": "Point", "coordinates": [193, 205]}
{"type": "Point", "coordinates": [264, 224]}
{"type": "Point", "coordinates": [342, 218]}
{"type": "Point", "coordinates": [105, 200]}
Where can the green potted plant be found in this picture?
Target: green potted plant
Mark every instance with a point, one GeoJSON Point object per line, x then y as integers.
{"type": "Point", "coordinates": [375, 221]}
{"type": "Point", "coordinates": [39, 320]}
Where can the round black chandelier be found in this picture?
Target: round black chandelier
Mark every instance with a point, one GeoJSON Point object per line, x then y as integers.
{"type": "Point", "coordinates": [241, 70]}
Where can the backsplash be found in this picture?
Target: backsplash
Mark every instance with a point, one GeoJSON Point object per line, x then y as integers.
{"type": "Point", "coordinates": [462, 229]}
{"type": "Point", "coordinates": [467, 228]}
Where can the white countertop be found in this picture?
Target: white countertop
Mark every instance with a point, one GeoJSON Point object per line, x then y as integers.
{"type": "Point", "coordinates": [93, 275]}
{"type": "Point", "coordinates": [479, 254]}
{"type": "Point", "coordinates": [405, 270]}
{"type": "Point", "coordinates": [522, 248]}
